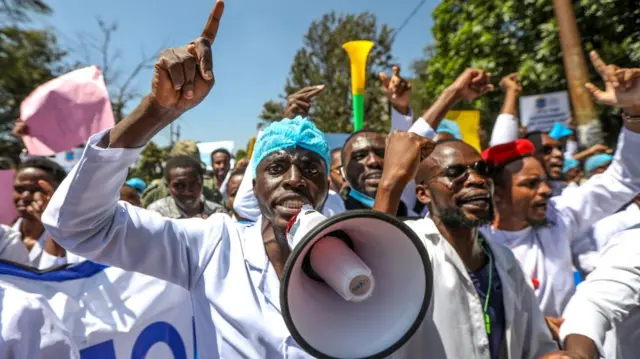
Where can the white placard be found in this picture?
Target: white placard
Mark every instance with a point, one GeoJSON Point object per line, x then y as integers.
{"type": "Point", "coordinates": [540, 112]}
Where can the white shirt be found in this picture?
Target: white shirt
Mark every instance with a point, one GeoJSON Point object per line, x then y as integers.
{"type": "Point", "coordinates": [610, 298]}
{"type": "Point", "coordinates": [31, 330]}
{"type": "Point", "coordinates": [14, 250]}
{"type": "Point", "coordinates": [454, 324]}
{"type": "Point", "coordinates": [545, 252]}
{"type": "Point", "coordinates": [606, 228]}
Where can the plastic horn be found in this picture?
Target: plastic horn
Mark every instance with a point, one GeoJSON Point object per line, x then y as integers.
{"type": "Point", "coordinates": [358, 52]}
{"type": "Point", "coordinates": [252, 142]}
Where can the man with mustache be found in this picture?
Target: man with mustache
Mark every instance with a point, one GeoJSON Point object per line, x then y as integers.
{"type": "Point", "coordinates": [232, 271]}
{"type": "Point", "coordinates": [478, 288]}
{"type": "Point", "coordinates": [540, 229]}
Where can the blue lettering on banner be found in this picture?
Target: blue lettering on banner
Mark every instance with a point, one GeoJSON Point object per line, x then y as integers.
{"type": "Point", "coordinates": [159, 332]}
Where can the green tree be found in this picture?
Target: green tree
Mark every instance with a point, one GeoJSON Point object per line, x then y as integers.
{"type": "Point", "coordinates": [149, 166]}
{"type": "Point", "coordinates": [240, 154]}
{"type": "Point", "coordinates": [18, 11]}
{"type": "Point", "coordinates": [27, 59]}
{"type": "Point", "coordinates": [515, 35]}
{"type": "Point", "coordinates": [322, 60]}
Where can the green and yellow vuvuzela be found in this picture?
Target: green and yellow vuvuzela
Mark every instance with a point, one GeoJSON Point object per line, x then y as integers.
{"type": "Point", "coordinates": [358, 52]}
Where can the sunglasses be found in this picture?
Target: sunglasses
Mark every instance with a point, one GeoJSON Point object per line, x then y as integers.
{"type": "Point", "coordinates": [459, 172]}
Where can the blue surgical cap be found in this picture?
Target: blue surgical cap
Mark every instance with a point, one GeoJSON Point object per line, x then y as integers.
{"type": "Point", "coordinates": [137, 184]}
{"type": "Point", "coordinates": [559, 130]}
{"type": "Point", "coordinates": [596, 161]}
{"type": "Point", "coordinates": [281, 135]}
{"type": "Point", "coordinates": [569, 164]}
{"type": "Point", "coordinates": [450, 127]}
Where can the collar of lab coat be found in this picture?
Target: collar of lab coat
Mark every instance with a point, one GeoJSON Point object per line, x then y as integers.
{"type": "Point", "coordinates": [504, 266]}
{"type": "Point", "coordinates": [264, 276]}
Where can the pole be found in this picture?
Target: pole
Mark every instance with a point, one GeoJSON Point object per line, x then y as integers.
{"type": "Point", "coordinates": [575, 67]}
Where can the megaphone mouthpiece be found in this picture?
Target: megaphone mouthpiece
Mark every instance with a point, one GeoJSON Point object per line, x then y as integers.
{"type": "Point", "coordinates": [341, 268]}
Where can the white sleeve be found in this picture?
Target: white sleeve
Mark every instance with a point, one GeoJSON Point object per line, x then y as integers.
{"type": "Point", "coordinates": [31, 330]}
{"type": "Point", "coordinates": [401, 122]}
{"type": "Point", "coordinates": [604, 194]}
{"type": "Point", "coordinates": [246, 203]}
{"type": "Point", "coordinates": [571, 148]}
{"type": "Point", "coordinates": [85, 217]}
{"type": "Point", "coordinates": [422, 128]}
{"type": "Point", "coordinates": [333, 205]}
{"type": "Point", "coordinates": [505, 130]}
{"type": "Point", "coordinates": [48, 261]}
{"type": "Point", "coordinates": [609, 293]}
{"type": "Point", "coordinates": [11, 246]}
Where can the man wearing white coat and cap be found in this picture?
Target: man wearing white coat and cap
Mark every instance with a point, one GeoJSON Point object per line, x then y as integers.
{"type": "Point", "coordinates": [232, 271]}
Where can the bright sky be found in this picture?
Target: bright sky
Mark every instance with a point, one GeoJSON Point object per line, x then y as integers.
{"type": "Point", "coordinates": [253, 52]}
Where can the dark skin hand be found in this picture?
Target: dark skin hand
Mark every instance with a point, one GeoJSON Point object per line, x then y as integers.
{"type": "Point", "coordinates": [397, 90]}
{"type": "Point", "coordinates": [299, 103]}
{"type": "Point", "coordinates": [183, 77]}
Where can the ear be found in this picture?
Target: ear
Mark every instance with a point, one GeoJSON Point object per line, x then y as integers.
{"type": "Point", "coordinates": [423, 194]}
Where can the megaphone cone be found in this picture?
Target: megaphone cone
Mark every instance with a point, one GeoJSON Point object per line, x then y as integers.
{"type": "Point", "coordinates": [356, 285]}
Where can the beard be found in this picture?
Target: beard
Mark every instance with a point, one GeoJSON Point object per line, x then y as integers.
{"type": "Point", "coordinates": [537, 223]}
{"type": "Point", "coordinates": [455, 217]}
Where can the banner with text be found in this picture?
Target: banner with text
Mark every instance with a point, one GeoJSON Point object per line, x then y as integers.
{"type": "Point", "coordinates": [540, 112]}
{"type": "Point", "coordinates": [112, 313]}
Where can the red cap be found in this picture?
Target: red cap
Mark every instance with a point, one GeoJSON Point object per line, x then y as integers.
{"type": "Point", "coordinates": [501, 155]}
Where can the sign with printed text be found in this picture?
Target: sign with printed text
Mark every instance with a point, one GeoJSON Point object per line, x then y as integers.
{"type": "Point", "coordinates": [112, 313]}
{"type": "Point", "coordinates": [540, 112]}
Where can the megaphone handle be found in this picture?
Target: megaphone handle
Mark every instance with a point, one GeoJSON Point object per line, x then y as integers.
{"type": "Point", "coordinates": [306, 262]}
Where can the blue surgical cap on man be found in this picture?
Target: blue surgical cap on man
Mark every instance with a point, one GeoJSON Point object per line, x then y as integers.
{"type": "Point", "coordinates": [569, 164]}
{"type": "Point", "coordinates": [596, 161]}
{"type": "Point", "coordinates": [559, 131]}
{"type": "Point", "coordinates": [450, 127]}
{"type": "Point", "coordinates": [285, 134]}
{"type": "Point", "coordinates": [137, 183]}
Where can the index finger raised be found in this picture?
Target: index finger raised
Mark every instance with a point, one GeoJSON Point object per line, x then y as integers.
{"type": "Point", "coordinates": [600, 66]}
{"type": "Point", "coordinates": [211, 28]}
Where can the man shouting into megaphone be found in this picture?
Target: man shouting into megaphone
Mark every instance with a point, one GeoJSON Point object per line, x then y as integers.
{"type": "Point", "coordinates": [231, 272]}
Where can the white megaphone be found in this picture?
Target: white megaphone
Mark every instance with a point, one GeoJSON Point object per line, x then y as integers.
{"type": "Point", "coordinates": [356, 285]}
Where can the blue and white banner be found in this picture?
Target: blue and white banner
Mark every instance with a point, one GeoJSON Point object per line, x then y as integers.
{"type": "Point", "coordinates": [540, 112]}
{"type": "Point", "coordinates": [111, 313]}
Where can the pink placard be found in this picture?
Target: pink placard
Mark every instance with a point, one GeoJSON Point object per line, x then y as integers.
{"type": "Point", "coordinates": [64, 112]}
{"type": "Point", "coordinates": [8, 212]}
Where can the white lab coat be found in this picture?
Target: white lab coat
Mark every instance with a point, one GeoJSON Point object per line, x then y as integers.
{"type": "Point", "coordinates": [610, 298]}
{"type": "Point", "coordinates": [454, 324]}
{"type": "Point", "coordinates": [606, 228]}
{"type": "Point", "coordinates": [234, 289]}
{"type": "Point", "coordinates": [545, 252]}
{"type": "Point", "coordinates": [30, 329]}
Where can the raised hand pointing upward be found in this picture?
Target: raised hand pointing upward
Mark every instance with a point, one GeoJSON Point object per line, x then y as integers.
{"type": "Point", "coordinates": [184, 76]}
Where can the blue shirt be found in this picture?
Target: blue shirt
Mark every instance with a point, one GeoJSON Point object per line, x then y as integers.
{"type": "Point", "coordinates": [495, 309]}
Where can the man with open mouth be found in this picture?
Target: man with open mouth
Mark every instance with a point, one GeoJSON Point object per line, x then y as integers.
{"type": "Point", "coordinates": [478, 284]}
{"type": "Point", "coordinates": [539, 228]}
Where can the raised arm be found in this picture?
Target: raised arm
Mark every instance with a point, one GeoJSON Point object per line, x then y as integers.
{"type": "Point", "coordinates": [84, 215]}
{"type": "Point", "coordinates": [507, 126]}
{"type": "Point", "coordinates": [604, 194]}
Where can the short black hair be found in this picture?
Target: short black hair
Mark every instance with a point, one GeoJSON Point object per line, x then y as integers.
{"type": "Point", "coordinates": [221, 150]}
{"type": "Point", "coordinates": [182, 161]}
{"type": "Point", "coordinates": [351, 136]}
{"type": "Point", "coordinates": [44, 164]}
{"type": "Point", "coordinates": [6, 163]}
